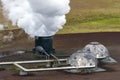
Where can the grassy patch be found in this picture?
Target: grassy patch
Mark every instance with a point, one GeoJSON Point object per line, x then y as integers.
{"type": "Point", "coordinates": [93, 16]}
{"type": "Point", "coordinates": [104, 22]}
{"type": "Point", "coordinates": [93, 21]}
{"type": "Point", "coordinates": [89, 29]}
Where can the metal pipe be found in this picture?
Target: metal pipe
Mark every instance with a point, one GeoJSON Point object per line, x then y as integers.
{"type": "Point", "coordinates": [48, 69]}
{"type": "Point", "coordinates": [59, 68]}
{"type": "Point", "coordinates": [19, 66]}
{"type": "Point", "coordinates": [57, 59]}
{"type": "Point", "coordinates": [41, 50]}
{"type": "Point", "coordinates": [34, 61]}
{"type": "Point", "coordinates": [6, 63]}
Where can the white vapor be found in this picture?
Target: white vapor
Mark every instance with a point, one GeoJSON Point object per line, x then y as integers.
{"type": "Point", "coordinates": [37, 17]}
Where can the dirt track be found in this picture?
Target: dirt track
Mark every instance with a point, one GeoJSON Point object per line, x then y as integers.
{"type": "Point", "coordinates": [68, 44]}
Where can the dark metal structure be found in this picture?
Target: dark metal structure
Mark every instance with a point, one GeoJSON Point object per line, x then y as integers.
{"type": "Point", "coordinates": [46, 43]}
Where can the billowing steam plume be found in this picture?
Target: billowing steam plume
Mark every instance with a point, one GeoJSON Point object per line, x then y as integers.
{"type": "Point", "coordinates": [37, 17]}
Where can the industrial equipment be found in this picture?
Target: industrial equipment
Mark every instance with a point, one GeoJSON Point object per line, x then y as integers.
{"type": "Point", "coordinates": [99, 51]}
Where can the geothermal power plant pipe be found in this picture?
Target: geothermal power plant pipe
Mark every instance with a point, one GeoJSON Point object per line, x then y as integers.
{"type": "Point", "coordinates": [54, 68]}
{"type": "Point", "coordinates": [17, 64]}
{"type": "Point", "coordinates": [34, 61]}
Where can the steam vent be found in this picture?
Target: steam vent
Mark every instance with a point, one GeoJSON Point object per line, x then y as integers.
{"type": "Point", "coordinates": [99, 51]}
{"type": "Point", "coordinates": [81, 58]}
{"type": "Point", "coordinates": [46, 43]}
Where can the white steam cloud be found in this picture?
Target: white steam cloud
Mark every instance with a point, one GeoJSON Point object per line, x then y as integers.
{"type": "Point", "coordinates": [37, 17]}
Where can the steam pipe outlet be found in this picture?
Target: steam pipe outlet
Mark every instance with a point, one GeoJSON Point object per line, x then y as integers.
{"type": "Point", "coordinates": [46, 43]}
